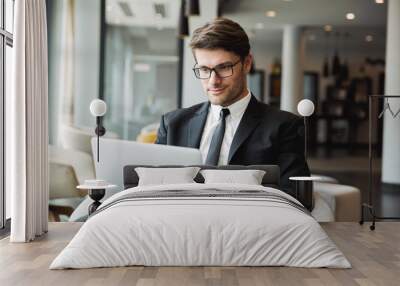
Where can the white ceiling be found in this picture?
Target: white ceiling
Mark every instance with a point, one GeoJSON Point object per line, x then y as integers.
{"type": "Point", "coordinates": [144, 13]}
{"type": "Point", "coordinates": [307, 12]}
{"type": "Point", "coordinates": [250, 12]}
{"type": "Point", "coordinates": [312, 15]}
{"type": "Point", "coordinates": [342, 37]}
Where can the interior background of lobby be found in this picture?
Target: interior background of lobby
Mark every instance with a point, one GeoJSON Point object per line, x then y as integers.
{"type": "Point", "coordinates": [130, 56]}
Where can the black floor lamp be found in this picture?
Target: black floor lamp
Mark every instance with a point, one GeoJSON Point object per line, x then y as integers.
{"type": "Point", "coordinates": [303, 186]}
{"type": "Point", "coordinates": [305, 109]}
{"type": "Point", "coordinates": [98, 109]}
{"type": "Point", "coordinates": [97, 188]}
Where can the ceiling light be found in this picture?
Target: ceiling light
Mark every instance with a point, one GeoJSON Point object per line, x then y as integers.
{"type": "Point", "coordinates": [350, 16]}
{"type": "Point", "coordinates": [369, 38]}
{"type": "Point", "coordinates": [270, 13]}
{"type": "Point", "coordinates": [379, 1]}
{"type": "Point", "coordinates": [328, 28]}
{"type": "Point", "coordinates": [312, 37]}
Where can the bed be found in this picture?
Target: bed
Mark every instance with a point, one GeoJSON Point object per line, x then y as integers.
{"type": "Point", "coordinates": [199, 224]}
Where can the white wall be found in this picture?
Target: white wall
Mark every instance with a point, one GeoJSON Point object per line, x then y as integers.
{"type": "Point", "coordinates": [391, 132]}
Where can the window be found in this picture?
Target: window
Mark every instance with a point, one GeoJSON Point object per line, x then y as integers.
{"type": "Point", "coordinates": [6, 43]}
{"type": "Point", "coordinates": [141, 65]}
{"type": "Point", "coordinates": [130, 62]}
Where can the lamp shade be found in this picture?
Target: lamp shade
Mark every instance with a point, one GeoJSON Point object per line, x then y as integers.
{"type": "Point", "coordinates": [98, 107]}
{"type": "Point", "coordinates": [305, 107]}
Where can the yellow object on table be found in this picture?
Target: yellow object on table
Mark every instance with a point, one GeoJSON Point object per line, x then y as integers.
{"type": "Point", "coordinates": [147, 137]}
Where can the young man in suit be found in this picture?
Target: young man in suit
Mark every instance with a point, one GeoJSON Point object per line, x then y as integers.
{"type": "Point", "coordinates": [232, 127]}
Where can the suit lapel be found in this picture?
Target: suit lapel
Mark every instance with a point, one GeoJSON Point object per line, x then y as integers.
{"type": "Point", "coordinates": [196, 126]}
{"type": "Point", "coordinates": [251, 118]}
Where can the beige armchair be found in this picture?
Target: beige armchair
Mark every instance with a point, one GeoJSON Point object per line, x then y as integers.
{"type": "Point", "coordinates": [78, 138]}
{"type": "Point", "coordinates": [68, 168]}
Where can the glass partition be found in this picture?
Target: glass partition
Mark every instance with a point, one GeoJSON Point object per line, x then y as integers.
{"type": "Point", "coordinates": [141, 66]}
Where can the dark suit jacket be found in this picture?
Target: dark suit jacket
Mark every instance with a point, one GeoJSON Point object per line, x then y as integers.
{"type": "Point", "coordinates": [265, 135]}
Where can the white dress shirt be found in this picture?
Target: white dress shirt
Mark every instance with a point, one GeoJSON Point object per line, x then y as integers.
{"type": "Point", "coordinates": [236, 110]}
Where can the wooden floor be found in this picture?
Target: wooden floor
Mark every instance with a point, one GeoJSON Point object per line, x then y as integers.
{"type": "Point", "coordinates": [375, 257]}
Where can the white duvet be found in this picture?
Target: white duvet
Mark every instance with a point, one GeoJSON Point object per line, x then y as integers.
{"type": "Point", "coordinates": [200, 231]}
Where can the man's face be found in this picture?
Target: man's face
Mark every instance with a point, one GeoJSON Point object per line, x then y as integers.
{"type": "Point", "coordinates": [227, 90]}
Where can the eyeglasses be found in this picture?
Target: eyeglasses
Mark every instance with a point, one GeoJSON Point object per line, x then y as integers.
{"type": "Point", "coordinates": [222, 71]}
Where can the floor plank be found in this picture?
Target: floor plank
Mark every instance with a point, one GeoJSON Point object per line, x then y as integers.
{"type": "Point", "coordinates": [375, 257]}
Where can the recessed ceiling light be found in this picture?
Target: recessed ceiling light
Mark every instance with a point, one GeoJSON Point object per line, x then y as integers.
{"type": "Point", "coordinates": [350, 16]}
{"type": "Point", "coordinates": [369, 38]}
{"type": "Point", "coordinates": [328, 28]}
{"type": "Point", "coordinates": [379, 1]}
{"type": "Point", "coordinates": [270, 13]}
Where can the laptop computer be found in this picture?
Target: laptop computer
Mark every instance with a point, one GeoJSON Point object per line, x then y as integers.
{"type": "Point", "coordinates": [115, 154]}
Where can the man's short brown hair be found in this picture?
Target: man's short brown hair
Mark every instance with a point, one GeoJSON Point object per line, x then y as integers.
{"type": "Point", "coordinates": [223, 34]}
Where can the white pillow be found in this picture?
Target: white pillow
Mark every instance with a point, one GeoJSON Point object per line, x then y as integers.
{"type": "Point", "coordinates": [248, 177]}
{"type": "Point", "coordinates": [165, 176]}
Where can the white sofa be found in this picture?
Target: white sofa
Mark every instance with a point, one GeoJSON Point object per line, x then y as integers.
{"type": "Point", "coordinates": [345, 200]}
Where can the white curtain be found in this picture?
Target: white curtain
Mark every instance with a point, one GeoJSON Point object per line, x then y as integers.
{"type": "Point", "coordinates": [27, 123]}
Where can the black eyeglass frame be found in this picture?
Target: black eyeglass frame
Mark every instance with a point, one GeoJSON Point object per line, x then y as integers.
{"type": "Point", "coordinates": [214, 69]}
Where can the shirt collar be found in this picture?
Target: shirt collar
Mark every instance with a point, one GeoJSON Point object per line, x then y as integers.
{"type": "Point", "coordinates": [236, 109]}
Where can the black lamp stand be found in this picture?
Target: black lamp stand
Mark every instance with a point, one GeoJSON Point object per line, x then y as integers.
{"type": "Point", "coordinates": [100, 131]}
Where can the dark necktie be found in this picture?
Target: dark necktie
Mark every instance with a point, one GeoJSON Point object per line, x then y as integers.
{"type": "Point", "coordinates": [217, 138]}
